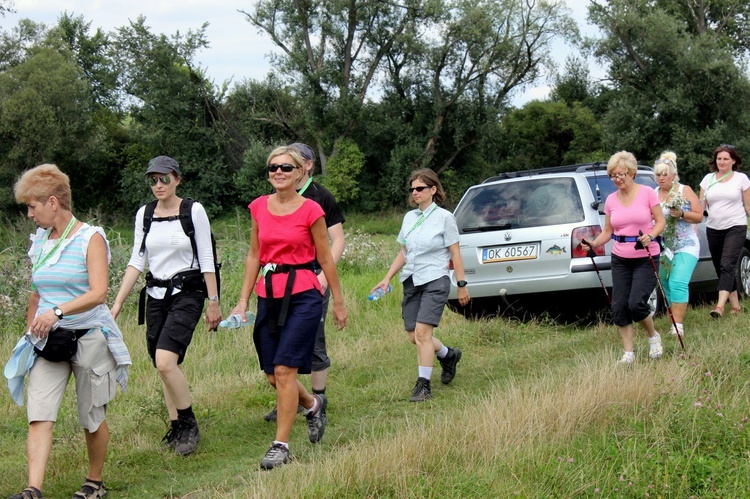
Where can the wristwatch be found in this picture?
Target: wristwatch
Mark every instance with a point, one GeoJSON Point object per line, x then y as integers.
{"type": "Point", "coordinates": [461, 284]}
{"type": "Point", "coordinates": [58, 312]}
{"type": "Point", "coordinates": [213, 298]}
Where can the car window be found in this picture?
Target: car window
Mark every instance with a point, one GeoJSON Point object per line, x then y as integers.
{"type": "Point", "coordinates": [607, 187]}
{"type": "Point", "coordinates": [532, 202]}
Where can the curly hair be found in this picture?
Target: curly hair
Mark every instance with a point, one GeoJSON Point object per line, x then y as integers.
{"type": "Point", "coordinates": [42, 182]}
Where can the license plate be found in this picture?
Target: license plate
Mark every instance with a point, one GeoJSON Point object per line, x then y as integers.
{"type": "Point", "coordinates": [510, 252]}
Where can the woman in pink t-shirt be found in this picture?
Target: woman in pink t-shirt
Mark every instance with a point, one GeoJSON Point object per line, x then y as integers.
{"type": "Point", "coordinates": [289, 240]}
{"type": "Point", "coordinates": [631, 210]}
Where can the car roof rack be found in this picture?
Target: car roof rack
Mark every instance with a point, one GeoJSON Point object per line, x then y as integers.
{"type": "Point", "coordinates": [578, 168]}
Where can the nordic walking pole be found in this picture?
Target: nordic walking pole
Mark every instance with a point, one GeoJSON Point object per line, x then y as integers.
{"type": "Point", "coordinates": [591, 254]}
{"type": "Point", "coordinates": [661, 288]}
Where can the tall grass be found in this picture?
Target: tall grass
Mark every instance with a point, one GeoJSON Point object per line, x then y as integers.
{"type": "Point", "coordinates": [537, 409]}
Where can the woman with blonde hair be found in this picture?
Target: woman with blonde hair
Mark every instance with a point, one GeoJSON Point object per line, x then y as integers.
{"type": "Point", "coordinates": [682, 210]}
{"type": "Point", "coordinates": [70, 325]}
{"type": "Point", "coordinates": [633, 219]}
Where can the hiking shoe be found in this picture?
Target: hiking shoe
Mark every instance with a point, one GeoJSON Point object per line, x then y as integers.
{"type": "Point", "coordinates": [680, 329]}
{"type": "Point", "coordinates": [28, 493]}
{"type": "Point", "coordinates": [275, 456]}
{"type": "Point", "coordinates": [168, 440]}
{"type": "Point", "coordinates": [271, 416]}
{"type": "Point", "coordinates": [421, 391]}
{"type": "Point", "coordinates": [187, 438]}
{"type": "Point", "coordinates": [317, 421]}
{"type": "Point", "coordinates": [627, 358]}
{"type": "Point", "coordinates": [448, 363]}
{"type": "Point", "coordinates": [655, 348]}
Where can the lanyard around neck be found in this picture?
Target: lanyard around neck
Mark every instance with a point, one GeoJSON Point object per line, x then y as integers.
{"type": "Point", "coordinates": [304, 187]}
{"type": "Point", "coordinates": [420, 220]}
{"type": "Point", "coordinates": [705, 193]}
{"type": "Point", "coordinates": [42, 258]}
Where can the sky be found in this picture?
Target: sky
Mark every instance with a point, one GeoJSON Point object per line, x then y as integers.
{"type": "Point", "coordinates": [236, 50]}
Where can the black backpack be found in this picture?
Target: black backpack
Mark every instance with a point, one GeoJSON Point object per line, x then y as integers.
{"type": "Point", "coordinates": [186, 220]}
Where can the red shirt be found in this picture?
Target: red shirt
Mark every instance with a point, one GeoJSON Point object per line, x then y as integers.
{"type": "Point", "coordinates": [287, 240]}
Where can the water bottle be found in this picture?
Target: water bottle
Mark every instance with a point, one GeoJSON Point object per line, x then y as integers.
{"type": "Point", "coordinates": [234, 321]}
{"type": "Point", "coordinates": [379, 293]}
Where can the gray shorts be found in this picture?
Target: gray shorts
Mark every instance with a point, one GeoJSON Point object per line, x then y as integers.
{"type": "Point", "coordinates": [424, 303]}
{"type": "Point", "coordinates": [94, 369]}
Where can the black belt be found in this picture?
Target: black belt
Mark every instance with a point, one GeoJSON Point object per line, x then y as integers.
{"type": "Point", "coordinates": [282, 269]}
{"type": "Point", "coordinates": [189, 280]}
{"type": "Point", "coordinates": [631, 239]}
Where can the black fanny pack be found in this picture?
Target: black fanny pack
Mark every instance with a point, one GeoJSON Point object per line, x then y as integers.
{"type": "Point", "coordinates": [62, 344]}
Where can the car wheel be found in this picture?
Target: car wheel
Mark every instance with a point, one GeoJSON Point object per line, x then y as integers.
{"type": "Point", "coordinates": [743, 274]}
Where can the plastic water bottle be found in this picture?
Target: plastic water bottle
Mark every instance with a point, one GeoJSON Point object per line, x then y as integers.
{"type": "Point", "coordinates": [234, 321]}
{"type": "Point", "coordinates": [379, 293]}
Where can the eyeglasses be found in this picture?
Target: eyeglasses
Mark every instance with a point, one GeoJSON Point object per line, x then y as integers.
{"type": "Point", "coordinates": [728, 146]}
{"type": "Point", "coordinates": [617, 176]}
{"type": "Point", "coordinates": [666, 161]}
{"type": "Point", "coordinates": [418, 188]}
{"type": "Point", "coordinates": [286, 168]}
{"type": "Point", "coordinates": [155, 179]}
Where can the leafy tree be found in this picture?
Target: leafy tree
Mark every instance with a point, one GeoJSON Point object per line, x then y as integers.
{"type": "Point", "coordinates": [15, 45]}
{"type": "Point", "coordinates": [676, 87]}
{"type": "Point", "coordinates": [343, 172]}
{"type": "Point", "coordinates": [174, 110]}
{"type": "Point", "coordinates": [6, 6]}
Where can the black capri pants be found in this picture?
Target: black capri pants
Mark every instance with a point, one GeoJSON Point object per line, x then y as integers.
{"type": "Point", "coordinates": [633, 281]}
{"type": "Point", "coordinates": [725, 247]}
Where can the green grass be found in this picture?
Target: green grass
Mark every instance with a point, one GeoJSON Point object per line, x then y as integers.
{"type": "Point", "coordinates": [537, 409]}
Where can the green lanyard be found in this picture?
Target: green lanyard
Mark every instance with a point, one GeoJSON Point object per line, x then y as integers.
{"type": "Point", "coordinates": [304, 187]}
{"type": "Point", "coordinates": [419, 222]}
{"type": "Point", "coordinates": [42, 258]}
{"type": "Point", "coordinates": [705, 193]}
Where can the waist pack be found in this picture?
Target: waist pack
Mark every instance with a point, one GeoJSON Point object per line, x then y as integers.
{"type": "Point", "coordinates": [62, 344]}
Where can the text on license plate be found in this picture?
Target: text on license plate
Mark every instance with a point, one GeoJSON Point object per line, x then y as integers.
{"type": "Point", "coordinates": [510, 252]}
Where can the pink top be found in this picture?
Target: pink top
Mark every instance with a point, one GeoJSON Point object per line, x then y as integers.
{"type": "Point", "coordinates": [286, 239]}
{"type": "Point", "coordinates": [628, 220]}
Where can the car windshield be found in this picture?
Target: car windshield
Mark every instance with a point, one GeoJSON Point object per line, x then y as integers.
{"type": "Point", "coordinates": [531, 202]}
{"type": "Point", "coordinates": [607, 187]}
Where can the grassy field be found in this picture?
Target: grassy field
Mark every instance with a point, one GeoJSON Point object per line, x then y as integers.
{"type": "Point", "coordinates": [537, 409]}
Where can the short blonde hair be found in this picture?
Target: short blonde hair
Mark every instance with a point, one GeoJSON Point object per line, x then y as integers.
{"type": "Point", "coordinates": [622, 159]}
{"type": "Point", "coordinates": [41, 182]}
{"type": "Point", "coordinates": [667, 162]}
{"type": "Point", "coordinates": [291, 151]}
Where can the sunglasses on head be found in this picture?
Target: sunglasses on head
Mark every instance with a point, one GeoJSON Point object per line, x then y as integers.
{"type": "Point", "coordinates": [286, 168]}
{"type": "Point", "coordinates": [663, 160]}
{"type": "Point", "coordinates": [155, 179]}
{"type": "Point", "coordinates": [728, 146]}
{"type": "Point", "coordinates": [419, 188]}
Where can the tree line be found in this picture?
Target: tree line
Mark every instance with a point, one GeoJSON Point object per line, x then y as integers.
{"type": "Point", "coordinates": [377, 89]}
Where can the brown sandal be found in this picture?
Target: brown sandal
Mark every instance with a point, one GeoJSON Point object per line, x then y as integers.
{"type": "Point", "coordinates": [28, 493]}
{"type": "Point", "coordinates": [717, 313]}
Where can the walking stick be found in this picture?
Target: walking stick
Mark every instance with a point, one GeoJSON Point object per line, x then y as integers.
{"type": "Point", "coordinates": [661, 288]}
{"type": "Point", "coordinates": [591, 254]}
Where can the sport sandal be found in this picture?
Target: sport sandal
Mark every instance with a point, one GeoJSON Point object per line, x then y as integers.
{"type": "Point", "coordinates": [28, 493]}
{"type": "Point", "coordinates": [90, 490]}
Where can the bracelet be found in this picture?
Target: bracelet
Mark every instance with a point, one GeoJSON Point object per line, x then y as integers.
{"type": "Point", "coordinates": [244, 299]}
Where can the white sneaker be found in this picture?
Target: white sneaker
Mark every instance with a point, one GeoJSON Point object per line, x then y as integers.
{"type": "Point", "coordinates": [655, 348]}
{"type": "Point", "coordinates": [627, 358]}
{"type": "Point", "coordinates": [680, 328]}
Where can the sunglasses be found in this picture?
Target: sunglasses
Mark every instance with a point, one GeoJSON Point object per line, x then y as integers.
{"type": "Point", "coordinates": [164, 179]}
{"type": "Point", "coordinates": [666, 161]}
{"type": "Point", "coordinates": [728, 146]}
{"type": "Point", "coordinates": [618, 176]}
{"type": "Point", "coordinates": [418, 189]}
{"type": "Point", "coordinates": [286, 168]}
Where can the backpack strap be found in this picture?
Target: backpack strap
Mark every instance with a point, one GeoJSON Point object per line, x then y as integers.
{"type": "Point", "coordinates": [186, 220]}
{"type": "Point", "coordinates": [148, 217]}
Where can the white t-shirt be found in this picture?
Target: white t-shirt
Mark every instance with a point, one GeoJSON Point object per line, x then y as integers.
{"type": "Point", "coordinates": [168, 249]}
{"type": "Point", "coordinates": [725, 206]}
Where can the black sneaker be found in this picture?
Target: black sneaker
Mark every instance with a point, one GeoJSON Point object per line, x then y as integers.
{"type": "Point", "coordinates": [271, 416]}
{"type": "Point", "coordinates": [448, 363]}
{"type": "Point", "coordinates": [317, 421]}
{"type": "Point", "coordinates": [168, 441]}
{"type": "Point", "coordinates": [188, 437]}
{"type": "Point", "coordinates": [422, 391]}
{"type": "Point", "coordinates": [275, 456]}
